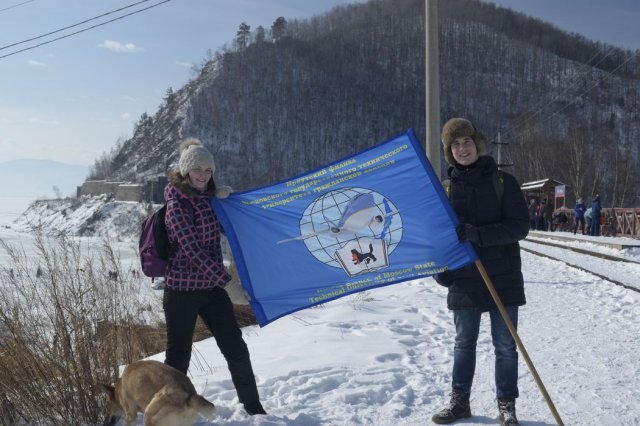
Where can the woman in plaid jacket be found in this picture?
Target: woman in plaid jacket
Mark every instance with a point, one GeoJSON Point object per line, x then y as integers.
{"type": "Point", "coordinates": [196, 277]}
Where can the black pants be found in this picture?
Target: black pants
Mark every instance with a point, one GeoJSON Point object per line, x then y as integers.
{"type": "Point", "coordinates": [181, 310]}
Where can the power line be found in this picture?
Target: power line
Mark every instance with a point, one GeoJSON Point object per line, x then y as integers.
{"type": "Point", "coordinates": [82, 30]}
{"type": "Point", "coordinates": [574, 81]}
{"type": "Point", "coordinates": [72, 26]}
{"type": "Point", "coordinates": [511, 130]}
{"type": "Point", "coordinates": [16, 5]}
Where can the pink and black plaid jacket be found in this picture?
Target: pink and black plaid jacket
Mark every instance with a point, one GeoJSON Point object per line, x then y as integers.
{"type": "Point", "coordinates": [197, 262]}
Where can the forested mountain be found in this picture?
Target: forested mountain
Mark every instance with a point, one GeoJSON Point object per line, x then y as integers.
{"type": "Point", "coordinates": [279, 102]}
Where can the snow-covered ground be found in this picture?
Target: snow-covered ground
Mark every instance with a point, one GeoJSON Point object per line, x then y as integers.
{"type": "Point", "coordinates": [383, 357]}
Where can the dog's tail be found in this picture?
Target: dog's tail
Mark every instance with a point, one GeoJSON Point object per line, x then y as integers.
{"type": "Point", "coordinates": [202, 406]}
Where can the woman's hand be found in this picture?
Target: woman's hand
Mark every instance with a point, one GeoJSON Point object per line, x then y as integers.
{"type": "Point", "coordinates": [223, 192]}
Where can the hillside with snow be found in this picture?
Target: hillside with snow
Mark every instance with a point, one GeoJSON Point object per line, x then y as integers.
{"type": "Point", "coordinates": [89, 216]}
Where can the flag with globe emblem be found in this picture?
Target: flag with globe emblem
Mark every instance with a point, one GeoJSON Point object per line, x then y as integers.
{"type": "Point", "coordinates": [377, 218]}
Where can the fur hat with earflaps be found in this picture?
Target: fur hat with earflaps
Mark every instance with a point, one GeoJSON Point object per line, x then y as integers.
{"type": "Point", "coordinates": [193, 155]}
{"type": "Point", "coordinates": [458, 128]}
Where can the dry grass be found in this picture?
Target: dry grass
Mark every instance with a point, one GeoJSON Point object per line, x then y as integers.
{"type": "Point", "coordinates": [67, 324]}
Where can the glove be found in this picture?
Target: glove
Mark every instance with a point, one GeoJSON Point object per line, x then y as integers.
{"type": "Point", "coordinates": [468, 232]}
{"type": "Point", "coordinates": [445, 279]}
{"type": "Point", "coordinates": [223, 192]}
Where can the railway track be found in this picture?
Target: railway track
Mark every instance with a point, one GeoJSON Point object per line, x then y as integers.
{"type": "Point", "coordinates": [622, 271]}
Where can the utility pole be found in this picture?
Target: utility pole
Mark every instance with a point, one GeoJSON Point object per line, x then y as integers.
{"type": "Point", "coordinates": [432, 85]}
{"type": "Point", "coordinates": [500, 163]}
{"type": "Point", "coordinates": [499, 152]}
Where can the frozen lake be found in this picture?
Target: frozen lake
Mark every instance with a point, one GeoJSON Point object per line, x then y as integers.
{"type": "Point", "coordinates": [11, 208]}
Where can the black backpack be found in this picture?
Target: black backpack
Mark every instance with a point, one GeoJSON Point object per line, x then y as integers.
{"type": "Point", "coordinates": [498, 185]}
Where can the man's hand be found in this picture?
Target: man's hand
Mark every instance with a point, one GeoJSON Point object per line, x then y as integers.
{"type": "Point", "coordinates": [468, 232]}
{"type": "Point", "coordinates": [445, 278]}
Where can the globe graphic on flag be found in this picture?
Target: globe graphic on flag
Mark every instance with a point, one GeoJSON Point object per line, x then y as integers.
{"type": "Point", "coordinates": [326, 211]}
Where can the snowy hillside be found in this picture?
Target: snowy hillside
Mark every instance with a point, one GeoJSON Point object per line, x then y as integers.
{"type": "Point", "coordinates": [87, 216]}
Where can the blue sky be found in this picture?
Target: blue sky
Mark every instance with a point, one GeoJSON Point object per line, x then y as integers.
{"type": "Point", "coordinates": [616, 22]}
{"type": "Point", "coordinates": [71, 100]}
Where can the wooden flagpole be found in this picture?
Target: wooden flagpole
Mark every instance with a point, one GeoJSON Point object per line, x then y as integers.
{"type": "Point", "coordinates": [514, 334]}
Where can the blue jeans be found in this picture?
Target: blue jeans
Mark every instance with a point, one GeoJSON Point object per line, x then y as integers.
{"type": "Point", "coordinates": [467, 323]}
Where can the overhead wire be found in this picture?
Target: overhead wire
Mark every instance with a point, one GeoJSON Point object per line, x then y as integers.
{"type": "Point", "coordinates": [72, 26]}
{"type": "Point", "coordinates": [554, 113]}
{"type": "Point", "coordinates": [85, 29]}
{"type": "Point", "coordinates": [572, 82]}
{"type": "Point", "coordinates": [16, 5]}
{"type": "Point", "coordinates": [610, 73]}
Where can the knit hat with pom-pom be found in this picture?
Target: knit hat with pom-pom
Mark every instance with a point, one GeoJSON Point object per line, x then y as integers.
{"type": "Point", "coordinates": [458, 128]}
{"type": "Point", "coordinates": [193, 155]}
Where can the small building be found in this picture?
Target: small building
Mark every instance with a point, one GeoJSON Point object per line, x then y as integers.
{"type": "Point", "coordinates": [98, 187]}
{"type": "Point", "coordinates": [129, 192]}
{"type": "Point", "coordinates": [151, 191]}
{"type": "Point", "coordinates": [546, 188]}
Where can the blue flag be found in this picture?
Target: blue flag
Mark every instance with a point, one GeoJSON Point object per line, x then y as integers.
{"type": "Point", "coordinates": [376, 218]}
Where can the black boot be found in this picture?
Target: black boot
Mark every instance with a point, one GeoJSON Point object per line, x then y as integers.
{"type": "Point", "coordinates": [507, 408]}
{"type": "Point", "coordinates": [458, 408]}
{"type": "Point", "coordinates": [254, 408]}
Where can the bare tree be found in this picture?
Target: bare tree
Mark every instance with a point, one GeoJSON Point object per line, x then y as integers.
{"type": "Point", "coordinates": [57, 191]}
{"type": "Point", "coordinates": [622, 170]}
{"type": "Point", "coordinates": [579, 162]}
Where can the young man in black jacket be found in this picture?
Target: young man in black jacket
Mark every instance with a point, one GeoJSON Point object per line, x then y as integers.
{"type": "Point", "coordinates": [493, 221]}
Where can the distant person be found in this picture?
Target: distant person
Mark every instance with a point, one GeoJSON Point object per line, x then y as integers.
{"type": "Point", "coordinates": [539, 218]}
{"type": "Point", "coordinates": [595, 216]}
{"type": "Point", "coordinates": [494, 228]}
{"type": "Point", "coordinates": [533, 212]}
{"type": "Point", "coordinates": [579, 210]}
{"type": "Point", "coordinates": [587, 220]}
{"type": "Point", "coordinates": [195, 277]}
{"type": "Point", "coordinates": [609, 226]}
{"type": "Point", "coordinates": [560, 218]}
{"type": "Point", "coordinates": [547, 215]}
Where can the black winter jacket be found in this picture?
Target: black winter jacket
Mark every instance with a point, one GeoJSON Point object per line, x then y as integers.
{"type": "Point", "coordinates": [474, 199]}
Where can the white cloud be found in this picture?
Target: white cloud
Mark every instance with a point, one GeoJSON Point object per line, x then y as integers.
{"type": "Point", "coordinates": [36, 63]}
{"type": "Point", "coordinates": [131, 98]}
{"type": "Point", "coordinates": [125, 116]}
{"type": "Point", "coordinates": [118, 47]}
{"type": "Point", "coordinates": [35, 120]}
{"type": "Point", "coordinates": [184, 64]}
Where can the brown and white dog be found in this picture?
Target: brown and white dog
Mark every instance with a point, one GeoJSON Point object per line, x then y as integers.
{"type": "Point", "coordinates": [165, 396]}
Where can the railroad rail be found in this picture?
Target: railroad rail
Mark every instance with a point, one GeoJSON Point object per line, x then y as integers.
{"type": "Point", "coordinates": [554, 250]}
